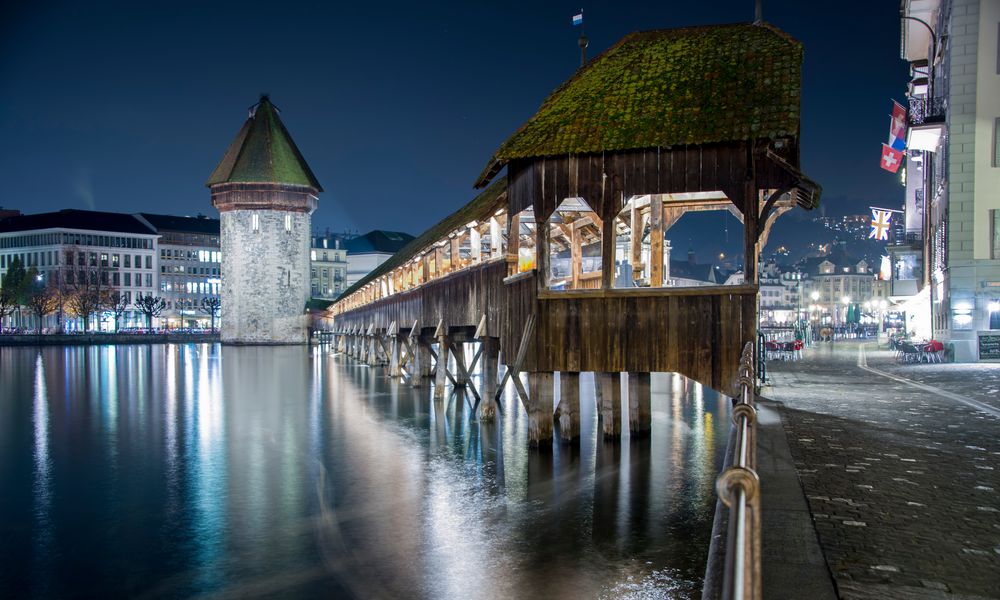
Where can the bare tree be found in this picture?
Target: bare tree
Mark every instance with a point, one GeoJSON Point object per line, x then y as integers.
{"type": "Point", "coordinates": [88, 286]}
{"type": "Point", "coordinates": [210, 306]}
{"type": "Point", "coordinates": [118, 304]}
{"type": "Point", "coordinates": [41, 302]}
{"type": "Point", "coordinates": [13, 289]}
{"type": "Point", "coordinates": [151, 306]}
{"type": "Point", "coordinates": [8, 304]}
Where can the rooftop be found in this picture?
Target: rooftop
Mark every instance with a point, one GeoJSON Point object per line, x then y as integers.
{"type": "Point", "coordinates": [263, 152]}
{"type": "Point", "coordinates": [377, 241]}
{"type": "Point", "coordinates": [200, 224]}
{"type": "Point", "coordinates": [70, 218]}
{"type": "Point", "coordinates": [669, 87]}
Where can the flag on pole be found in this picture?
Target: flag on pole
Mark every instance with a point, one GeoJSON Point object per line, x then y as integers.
{"type": "Point", "coordinates": [897, 127]}
{"type": "Point", "coordinates": [880, 225]}
{"type": "Point", "coordinates": [891, 158]}
{"type": "Point", "coordinates": [578, 18]}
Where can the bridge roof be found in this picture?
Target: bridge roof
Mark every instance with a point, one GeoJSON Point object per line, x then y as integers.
{"type": "Point", "coordinates": [263, 152]}
{"type": "Point", "coordinates": [669, 87]}
{"type": "Point", "coordinates": [481, 207]}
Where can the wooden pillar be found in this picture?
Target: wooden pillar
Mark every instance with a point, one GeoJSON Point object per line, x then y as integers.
{"type": "Point", "coordinates": [639, 401]}
{"type": "Point", "coordinates": [490, 361]}
{"type": "Point", "coordinates": [655, 241]}
{"type": "Point", "coordinates": [569, 407]}
{"type": "Point", "coordinates": [420, 368]}
{"type": "Point", "coordinates": [373, 358]}
{"type": "Point", "coordinates": [513, 244]}
{"type": "Point", "coordinates": [475, 244]}
{"type": "Point", "coordinates": [540, 393]}
{"type": "Point", "coordinates": [751, 220]}
{"type": "Point", "coordinates": [542, 251]}
{"type": "Point", "coordinates": [635, 242]}
{"type": "Point", "coordinates": [441, 370]}
{"type": "Point", "coordinates": [456, 256]}
{"type": "Point", "coordinates": [495, 238]}
{"type": "Point", "coordinates": [461, 376]}
{"type": "Point", "coordinates": [394, 356]}
{"type": "Point", "coordinates": [611, 404]}
{"type": "Point", "coordinates": [576, 255]}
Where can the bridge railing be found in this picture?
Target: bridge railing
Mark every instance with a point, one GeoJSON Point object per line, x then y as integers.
{"type": "Point", "coordinates": [739, 489]}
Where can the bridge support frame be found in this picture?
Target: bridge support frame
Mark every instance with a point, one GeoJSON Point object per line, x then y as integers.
{"type": "Point", "coordinates": [639, 405]}
{"type": "Point", "coordinates": [441, 367]}
{"type": "Point", "coordinates": [490, 370]}
{"type": "Point", "coordinates": [611, 403]}
{"type": "Point", "coordinates": [539, 404]}
{"type": "Point", "coordinates": [569, 407]}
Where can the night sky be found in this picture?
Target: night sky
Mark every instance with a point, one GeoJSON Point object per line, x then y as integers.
{"type": "Point", "coordinates": [396, 106]}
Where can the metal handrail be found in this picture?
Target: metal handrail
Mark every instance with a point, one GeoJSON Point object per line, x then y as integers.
{"type": "Point", "coordinates": [739, 489]}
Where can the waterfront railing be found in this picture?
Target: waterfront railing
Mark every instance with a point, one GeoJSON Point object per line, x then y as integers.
{"type": "Point", "coordinates": [739, 489]}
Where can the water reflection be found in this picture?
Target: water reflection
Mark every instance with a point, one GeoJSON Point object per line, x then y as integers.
{"type": "Point", "coordinates": [196, 469]}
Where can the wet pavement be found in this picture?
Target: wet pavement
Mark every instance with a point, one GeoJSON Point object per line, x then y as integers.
{"type": "Point", "coordinates": [902, 481]}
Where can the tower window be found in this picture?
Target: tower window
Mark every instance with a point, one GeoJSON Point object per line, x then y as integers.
{"type": "Point", "coordinates": [288, 223]}
{"type": "Point", "coordinates": [255, 222]}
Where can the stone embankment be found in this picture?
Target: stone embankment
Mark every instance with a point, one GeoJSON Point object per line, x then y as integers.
{"type": "Point", "coordinates": [90, 339]}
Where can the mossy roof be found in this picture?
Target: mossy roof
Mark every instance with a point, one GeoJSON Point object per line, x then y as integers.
{"type": "Point", "coordinates": [480, 208]}
{"type": "Point", "coordinates": [670, 87]}
{"type": "Point", "coordinates": [263, 152]}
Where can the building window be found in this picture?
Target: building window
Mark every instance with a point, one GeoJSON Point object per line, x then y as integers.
{"type": "Point", "coordinates": [255, 222]}
{"type": "Point", "coordinates": [995, 248]}
{"type": "Point", "coordinates": [996, 142]}
{"type": "Point", "coordinates": [288, 223]}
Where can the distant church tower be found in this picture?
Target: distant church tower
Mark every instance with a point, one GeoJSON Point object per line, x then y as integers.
{"type": "Point", "coordinates": [266, 195]}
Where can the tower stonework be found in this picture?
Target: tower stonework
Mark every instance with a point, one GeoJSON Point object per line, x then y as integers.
{"type": "Point", "coordinates": [265, 194]}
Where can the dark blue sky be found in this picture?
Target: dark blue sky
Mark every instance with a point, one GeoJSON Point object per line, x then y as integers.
{"type": "Point", "coordinates": [396, 106]}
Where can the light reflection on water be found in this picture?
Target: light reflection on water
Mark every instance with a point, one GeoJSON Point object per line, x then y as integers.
{"type": "Point", "coordinates": [171, 471]}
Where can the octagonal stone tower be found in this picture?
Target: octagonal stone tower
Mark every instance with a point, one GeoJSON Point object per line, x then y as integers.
{"type": "Point", "coordinates": [266, 194]}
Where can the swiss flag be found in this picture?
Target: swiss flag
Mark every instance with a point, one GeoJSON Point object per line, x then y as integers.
{"type": "Point", "coordinates": [897, 128]}
{"type": "Point", "coordinates": [891, 158]}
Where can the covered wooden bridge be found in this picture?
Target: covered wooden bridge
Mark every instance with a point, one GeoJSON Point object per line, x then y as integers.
{"type": "Point", "coordinates": [562, 264]}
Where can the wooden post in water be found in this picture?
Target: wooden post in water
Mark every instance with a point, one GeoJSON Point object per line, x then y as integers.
{"type": "Point", "coordinates": [461, 375]}
{"type": "Point", "coordinates": [490, 361]}
{"type": "Point", "coordinates": [611, 403]}
{"type": "Point", "coordinates": [441, 370]}
{"type": "Point", "coordinates": [569, 407]}
{"type": "Point", "coordinates": [394, 350]}
{"type": "Point", "coordinates": [540, 393]}
{"type": "Point", "coordinates": [639, 399]}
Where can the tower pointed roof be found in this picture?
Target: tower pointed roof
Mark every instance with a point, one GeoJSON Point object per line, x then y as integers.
{"type": "Point", "coordinates": [263, 152]}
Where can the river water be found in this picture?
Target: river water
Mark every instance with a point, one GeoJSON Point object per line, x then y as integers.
{"type": "Point", "coordinates": [175, 471]}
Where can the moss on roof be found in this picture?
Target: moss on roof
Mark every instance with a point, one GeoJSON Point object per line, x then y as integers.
{"type": "Point", "coordinates": [480, 208]}
{"type": "Point", "coordinates": [670, 87]}
{"type": "Point", "coordinates": [263, 152]}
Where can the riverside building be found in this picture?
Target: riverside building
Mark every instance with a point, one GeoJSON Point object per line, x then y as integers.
{"type": "Point", "coordinates": [71, 248]}
{"type": "Point", "coordinates": [190, 267]}
{"type": "Point", "coordinates": [953, 169]}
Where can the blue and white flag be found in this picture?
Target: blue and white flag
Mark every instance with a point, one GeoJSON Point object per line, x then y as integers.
{"type": "Point", "coordinates": [578, 19]}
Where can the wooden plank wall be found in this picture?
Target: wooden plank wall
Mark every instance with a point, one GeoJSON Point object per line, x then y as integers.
{"type": "Point", "coordinates": [460, 298]}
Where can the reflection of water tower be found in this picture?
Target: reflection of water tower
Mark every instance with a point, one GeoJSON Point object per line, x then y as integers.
{"type": "Point", "coordinates": [266, 194]}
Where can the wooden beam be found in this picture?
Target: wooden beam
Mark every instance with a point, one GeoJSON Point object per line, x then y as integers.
{"type": "Point", "coordinates": [635, 243]}
{"type": "Point", "coordinates": [656, 243]}
{"type": "Point", "coordinates": [576, 257]}
{"type": "Point", "coordinates": [513, 244]}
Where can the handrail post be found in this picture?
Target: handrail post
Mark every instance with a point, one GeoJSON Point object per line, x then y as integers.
{"type": "Point", "coordinates": [739, 489]}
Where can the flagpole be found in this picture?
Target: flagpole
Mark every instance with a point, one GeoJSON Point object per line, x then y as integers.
{"type": "Point", "coordinates": [583, 41]}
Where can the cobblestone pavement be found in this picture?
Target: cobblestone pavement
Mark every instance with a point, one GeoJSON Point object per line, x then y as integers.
{"type": "Point", "coordinates": [903, 484]}
{"type": "Point", "coordinates": [978, 381]}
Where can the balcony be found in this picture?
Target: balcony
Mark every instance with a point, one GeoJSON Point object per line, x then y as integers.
{"type": "Point", "coordinates": [924, 111]}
